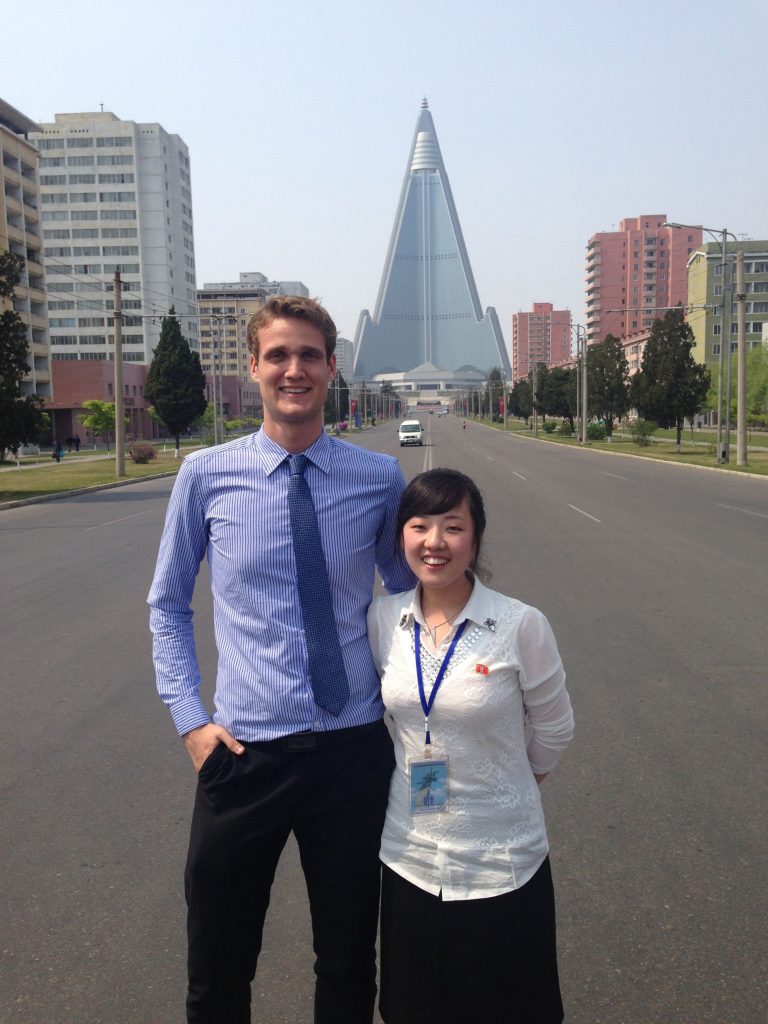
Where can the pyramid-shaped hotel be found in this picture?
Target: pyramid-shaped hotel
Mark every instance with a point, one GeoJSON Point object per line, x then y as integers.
{"type": "Point", "coordinates": [428, 322]}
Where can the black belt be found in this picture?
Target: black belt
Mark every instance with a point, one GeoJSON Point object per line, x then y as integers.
{"type": "Point", "coordinates": [308, 740]}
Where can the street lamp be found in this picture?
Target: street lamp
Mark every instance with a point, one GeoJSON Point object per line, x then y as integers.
{"type": "Point", "coordinates": [723, 449]}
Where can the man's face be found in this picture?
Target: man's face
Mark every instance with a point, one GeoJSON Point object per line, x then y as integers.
{"type": "Point", "coordinates": [293, 372]}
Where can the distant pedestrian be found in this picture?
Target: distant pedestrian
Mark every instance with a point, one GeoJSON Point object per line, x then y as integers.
{"type": "Point", "coordinates": [76, 439]}
{"type": "Point", "coordinates": [57, 450]}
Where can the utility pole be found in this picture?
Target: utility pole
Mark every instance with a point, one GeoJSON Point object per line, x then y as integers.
{"type": "Point", "coordinates": [741, 373]}
{"type": "Point", "coordinates": [119, 401]}
{"type": "Point", "coordinates": [584, 389]}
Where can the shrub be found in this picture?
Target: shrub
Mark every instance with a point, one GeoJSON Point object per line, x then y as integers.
{"type": "Point", "coordinates": [565, 429]}
{"type": "Point", "coordinates": [549, 426]}
{"type": "Point", "coordinates": [596, 431]}
{"type": "Point", "coordinates": [642, 432]}
{"type": "Point", "coordinates": [142, 453]}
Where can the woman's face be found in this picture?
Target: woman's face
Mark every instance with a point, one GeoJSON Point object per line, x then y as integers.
{"type": "Point", "coordinates": [440, 548]}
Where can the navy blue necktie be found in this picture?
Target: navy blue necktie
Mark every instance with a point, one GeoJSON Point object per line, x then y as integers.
{"type": "Point", "coordinates": [326, 665]}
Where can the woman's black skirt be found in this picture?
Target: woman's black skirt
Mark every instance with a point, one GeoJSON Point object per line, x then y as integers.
{"type": "Point", "coordinates": [486, 961]}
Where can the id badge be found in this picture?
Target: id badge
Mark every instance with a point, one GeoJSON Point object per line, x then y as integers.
{"type": "Point", "coordinates": [428, 783]}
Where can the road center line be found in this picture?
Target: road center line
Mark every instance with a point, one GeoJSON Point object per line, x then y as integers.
{"type": "Point", "coordinates": [490, 459]}
{"type": "Point", "coordinates": [520, 475]}
{"type": "Point", "coordinates": [614, 475]}
{"type": "Point", "coordinates": [733, 508]}
{"type": "Point", "coordinates": [120, 520]}
{"type": "Point", "coordinates": [581, 510]}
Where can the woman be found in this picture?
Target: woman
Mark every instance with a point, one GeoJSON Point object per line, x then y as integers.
{"type": "Point", "coordinates": [475, 689]}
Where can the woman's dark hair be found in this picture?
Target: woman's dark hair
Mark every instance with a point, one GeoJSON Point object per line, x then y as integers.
{"type": "Point", "coordinates": [438, 491]}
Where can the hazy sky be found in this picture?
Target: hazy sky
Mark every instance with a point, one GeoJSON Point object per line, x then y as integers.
{"type": "Point", "coordinates": [555, 120]}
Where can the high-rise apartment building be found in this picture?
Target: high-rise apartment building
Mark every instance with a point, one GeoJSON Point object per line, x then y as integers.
{"type": "Point", "coordinates": [635, 274]}
{"type": "Point", "coordinates": [116, 195]}
{"type": "Point", "coordinates": [711, 294]}
{"type": "Point", "coordinates": [225, 309]}
{"type": "Point", "coordinates": [541, 336]}
{"type": "Point", "coordinates": [20, 234]}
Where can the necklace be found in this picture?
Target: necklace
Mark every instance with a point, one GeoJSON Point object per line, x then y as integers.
{"type": "Point", "coordinates": [432, 630]}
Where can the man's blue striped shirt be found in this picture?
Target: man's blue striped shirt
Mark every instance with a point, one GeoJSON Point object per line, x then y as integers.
{"type": "Point", "coordinates": [230, 504]}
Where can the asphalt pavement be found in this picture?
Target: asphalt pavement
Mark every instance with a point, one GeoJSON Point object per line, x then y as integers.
{"type": "Point", "coordinates": [653, 578]}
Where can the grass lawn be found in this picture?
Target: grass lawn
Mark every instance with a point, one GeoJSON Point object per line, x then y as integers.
{"type": "Point", "coordinates": [51, 478]}
{"type": "Point", "coordinates": [692, 455]}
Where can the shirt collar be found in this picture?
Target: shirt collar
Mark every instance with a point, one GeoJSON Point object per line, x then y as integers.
{"type": "Point", "coordinates": [479, 609]}
{"type": "Point", "coordinates": [273, 455]}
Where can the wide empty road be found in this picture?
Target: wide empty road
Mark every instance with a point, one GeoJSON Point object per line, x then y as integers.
{"type": "Point", "coordinates": [654, 580]}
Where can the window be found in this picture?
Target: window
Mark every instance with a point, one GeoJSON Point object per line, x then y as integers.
{"type": "Point", "coordinates": [718, 289]}
{"type": "Point", "coordinates": [124, 268]}
{"type": "Point", "coordinates": [82, 143]}
{"type": "Point", "coordinates": [80, 161]}
{"type": "Point", "coordinates": [760, 307]}
{"type": "Point", "coordinates": [118, 215]}
{"type": "Point", "coordinates": [116, 177]}
{"type": "Point", "coordinates": [56, 233]}
{"type": "Point", "coordinates": [59, 268]}
{"type": "Point", "coordinates": [757, 327]}
{"type": "Point", "coordinates": [57, 250]}
{"type": "Point", "coordinates": [82, 197]}
{"type": "Point", "coordinates": [716, 350]}
{"type": "Point", "coordinates": [52, 161]}
{"type": "Point", "coordinates": [82, 179]}
{"type": "Point", "coordinates": [54, 197]}
{"type": "Point", "coordinates": [63, 339]}
{"type": "Point", "coordinates": [759, 268]}
{"type": "Point", "coordinates": [119, 233]}
{"type": "Point", "coordinates": [114, 159]}
{"type": "Point", "coordinates": [117, 197]}
{"type": "Point", "coordinates": [85, 232]}
{"type": "Point", "coordinates": [120, 250]}
{"type": "Point", "coordinates": [64, 321]}
{"type": "Point", "coordinates": [85, 214]}
{"type": "Point", "coordinates": [757, 286]}
{"type": "Point", "coordinates": [53, 179]}
{"type": "Point", "coordinates": [49, 143]}
{"type": "Point", "coordinates": [55, 214]}
{"type": "Point", "coordinates": [86, 250]}
{"type": "Point", "coordinates": [90, 321]}
{"type": "Point", "coordinates": [109, 141]}
{"type": "Point", "coordinates": [716, 330]}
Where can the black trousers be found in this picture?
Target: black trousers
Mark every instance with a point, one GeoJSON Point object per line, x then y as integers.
{"type": "Point", "coordinates": [476, 961]}
{"type": "Point", "coordinates": [330, 790]}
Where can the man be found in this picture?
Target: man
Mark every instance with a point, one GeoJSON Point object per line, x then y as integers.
{"type": "Point", "coordinates": [280, 754]}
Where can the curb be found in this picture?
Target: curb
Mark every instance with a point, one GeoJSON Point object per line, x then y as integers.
{"type": "Point", "coordinates": [38, 499]}
{"type": "Point", "coordinates": [626, 455]}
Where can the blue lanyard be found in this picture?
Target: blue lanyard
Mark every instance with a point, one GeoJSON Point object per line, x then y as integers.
{"type": "Point", "coordinates": [427, 704]}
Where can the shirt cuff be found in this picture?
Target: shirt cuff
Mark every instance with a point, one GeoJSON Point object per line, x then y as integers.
{"type": "Point", "coordinates": [189, 713]}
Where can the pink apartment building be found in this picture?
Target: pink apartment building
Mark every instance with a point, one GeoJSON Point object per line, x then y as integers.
{"type": "Point", "coordinates": [541, 336]}
{"type": "Point", "coordinates": [635, 274]}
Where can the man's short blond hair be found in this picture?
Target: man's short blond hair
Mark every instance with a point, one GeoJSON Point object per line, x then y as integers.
{"type": "Point", "coordinates": [292, 307]}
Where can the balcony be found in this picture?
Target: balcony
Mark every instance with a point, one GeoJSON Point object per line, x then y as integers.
{"type": "Point", "coordinates": [12, 204]}
{"type": "Point", "coordinates": [11, 174]}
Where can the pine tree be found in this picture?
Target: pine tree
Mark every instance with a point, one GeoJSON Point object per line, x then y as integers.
{"type": "Point", "coordinates": [670, 385]}
{"type": "Point", "coordinates": [21, 416]}
{"type": "Point", "coordinates": [607, 381]}
{"type": "Point", "coordinates": [175, 381]}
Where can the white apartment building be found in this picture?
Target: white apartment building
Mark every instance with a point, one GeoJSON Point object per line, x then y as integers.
{"type": "Point", "coordinates": [20, 234]}
{"type": "Point", "coordinates": [115, 195]}
{"type": "Point", "coordinates": [225, 307]}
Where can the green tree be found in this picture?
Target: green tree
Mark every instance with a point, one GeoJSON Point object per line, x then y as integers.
{"type": "Point", "coordinates": [494, 392]}
{"type": "Point", "coordinates": [520, 403]}
{"type": "Point", "coordinates": [757, 384]}
{"type": "Point", "coordinates": [21, 416]}
{"type": "Point", "coordinates": [670, 385]}
{"type": "Point", "coordinates": [607, 381]}
{"type": "Point", "coordinates": [558, 393]}
{"type": "Point", "coordinates": [100, 420]}
{"type": "Point", "coordinates": [175, 381]}
{"type": "Point", "coordinates": [338, 391]}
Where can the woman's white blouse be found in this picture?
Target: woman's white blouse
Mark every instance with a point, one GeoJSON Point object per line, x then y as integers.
{"type": "Point", "coordinates": [502, 713]}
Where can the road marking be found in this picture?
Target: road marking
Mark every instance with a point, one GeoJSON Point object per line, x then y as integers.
{"type": "Point", "coordinates": [733, 508]}
{"type": "Point", "coordinates": [581, 510]}
{"type": "Point", "coordinates": [120, 520]}
{"type": "Point", "coordinates": [520, 475]}
{"type": "Point", "coordinates": [490, 459]}
{"type": "Point", "coordinates": [615, 475]}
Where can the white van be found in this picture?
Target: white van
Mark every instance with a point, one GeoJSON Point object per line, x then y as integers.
{"type": "Point", "coordinates": [410, 433]}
